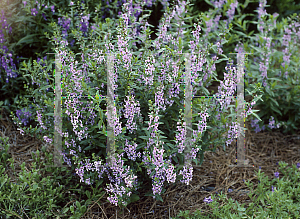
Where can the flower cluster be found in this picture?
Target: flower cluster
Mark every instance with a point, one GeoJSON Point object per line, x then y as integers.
{"type": "Point", "coordinates": [232, 133]}
{"type": "Point", "coordinates": [65, 23]}
{"type": "Point", "coordinates": [201, 125]}
{"type": "Point", "coordinates": [6, 62]}
{"type": "Point", "coordinates": [130, 110]}
{"type": "Point", "coordinates": [180, 137]}
{"type": "Point", "coordinates": [84, 24]}
{"type": "Point", "coordinates": [254, 123]}
{"type": "Point", "coordinates": [226, 88]}
{"type": "Point", "coordinates": [131, 151]}
{"type": "Point", "coordinates": [39, 118]}
{"type": "Point", "coordinates": [118, 189]}
{"type": "Point", "coordinates": [24, 116]}
{"type": "Point", "coordinates": [158, 177]}
{"type": "Point", "coordinates": [148, 78]}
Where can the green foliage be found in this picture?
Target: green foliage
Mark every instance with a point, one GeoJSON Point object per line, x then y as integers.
{"type": "Point", "coordinates": [284, 8]}
{"type": "Point", "coordinates": [281, 96]}
{"type": "Point", "coordinates": [283, 202]}
{"type": "Point", "coordinates": [4, 156]}
{"type": "Point", "coordinates": [34, 197]}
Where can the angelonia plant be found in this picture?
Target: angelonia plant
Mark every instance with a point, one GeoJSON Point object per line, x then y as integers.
{"type": "Point", "coordinates": [281, 92]}
{"type": "Point", "coordinates": [271, 66]}
{"type": "Point", "coordinates": [22, 27]}
{"type": "Point", "coordinates": [148, 151]}
{"type": "Point", "coordinates": [39, 12]}
{"type": "Point", "coordinates": [145, 152]}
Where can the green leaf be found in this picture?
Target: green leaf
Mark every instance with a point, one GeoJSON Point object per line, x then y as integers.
{"type": "Point", "coordinates": [35, 186]}
{"type": "Point", "coordinates": [3, 182]}
{"type": "Point", "coordinates": [144, 137]}
{"type": "Point", "coordinates": [24, 18]}
{"type": "Point", "coordinates": [88, 194]}
{"type": "Point", "coordinates": [23, 178]}
{"type": "Point", "coordinates": [152, 173]}
{"type": "Point", "coordinates": [270, 92]}
{"type": "Point", "coordinates": [175, 159]}
{"type": "Point", "coordinates": [288, 98]}
{"type": "Point", "coordinates": [223, 118]}
{"type": "Point", "coordinates": [28, 39]}
{"type": "Point", "coordinates": [72, 209]}
{"type": "Point", "coordinates": [275, 109]}
{"type": "Point", "coordinates": [49, 114]}
{"type": "Point", "coordinates": [169, 144]}
{"type": "Point", "coordinates": [78, 204]}
{"type": "Point", "coordinates": [134, 198]}
{"type": "Point", "coordinates": [83, 209]}
{"type": "Point", "coordinates": [180, 43]}
{"type": "Point", "coordinates": [276, 79]}
{"type": "Point", "coordinates": [159, 197]}
{"type": "Point", "coordinates": [274, 101]}
{"type": "Point", "coordinates": [256, 116]}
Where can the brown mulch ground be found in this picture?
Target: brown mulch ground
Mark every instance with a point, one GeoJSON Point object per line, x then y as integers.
{"type": "Point", "coordinates": [263, 149]}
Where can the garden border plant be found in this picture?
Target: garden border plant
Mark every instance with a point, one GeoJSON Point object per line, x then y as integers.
{"type": "Point", "coordinates": [274, 107]}
{"type": "Point", "coordinates": [218, 5]}
{"type": "Point", "coordinates": [153, 134]}
{"type": "Point", "coordinates": [188, 102]}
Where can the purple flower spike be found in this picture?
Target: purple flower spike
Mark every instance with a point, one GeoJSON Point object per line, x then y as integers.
{"type": "Point", "coordinates": [276, 174]}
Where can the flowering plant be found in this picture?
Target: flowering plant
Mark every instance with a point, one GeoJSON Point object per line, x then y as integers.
{"type": "Point", "coordinates": [153, 159]}
{"type": "Point", "coordinates": [40, 100]}
{"type": "Point", "coordinates": [280, 83]}
{"type": "Point", "coordinates": [89, 146]}
{"type": "Point", "coordinates": [129, 68]}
